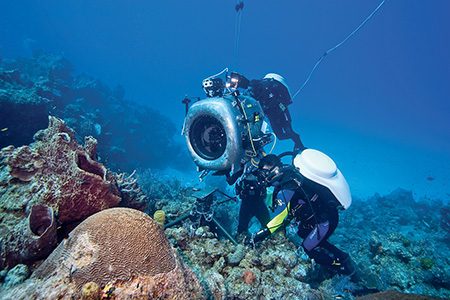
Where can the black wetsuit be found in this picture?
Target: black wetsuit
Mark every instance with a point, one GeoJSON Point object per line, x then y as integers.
{"type": "Point", "coordinates": [274, 99]}
{"type": "Point", "coordinates": [252, 194]}
{"type": "Point", "coordinates": [316, 209]}
{"type": "Point", "coordinates": [318, 222]}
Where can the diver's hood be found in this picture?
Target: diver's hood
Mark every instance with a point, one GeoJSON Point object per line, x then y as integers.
{"type": "Point", "coordinates": [318, 167]}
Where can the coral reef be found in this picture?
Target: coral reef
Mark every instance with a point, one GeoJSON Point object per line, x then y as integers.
{"type": "Point", "coordinates": [131, 193]}
{"type": "Point", "coordinates": [122, 251]}
{"type": "Point", "coordinates": [164, 192]}
{"type": "Point", "coordinates": [16, 275]}
{"type": "Point", "coordinates": [402, 248]}
{"type": "Point", "coordinates": [160, 217]}
{"type": "Point", "coordinates": [394, 295]}
{"type": "Point", "coordinates": [398, 243]}
{"type": "Point", "coordinates": [32, 88]}
{"type": "Point", "coordinates": [241, 272]}
{"type": "Point", "coordinates": [54, 181]}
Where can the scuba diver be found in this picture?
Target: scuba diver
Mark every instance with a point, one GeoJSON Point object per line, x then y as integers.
{"type": "Point", "coordinates": [310, 195]}
{"type": "Point", "coordinates": [272, 92]}
{"type": "Point", "coordinates": [273, 96]}
{"type": "Point", "coordinates": [252, 193]}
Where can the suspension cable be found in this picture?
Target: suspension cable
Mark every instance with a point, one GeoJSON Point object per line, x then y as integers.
{"type": "Point", "coordinates": [237, 30]}
{"type": "Point", "coordinates": [337, 46]}
{"type": "Point", "coordinates": [218, 74]}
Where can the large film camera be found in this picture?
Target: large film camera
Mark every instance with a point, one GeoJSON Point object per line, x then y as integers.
{"type": "Point", "coordinates": [227, 128]}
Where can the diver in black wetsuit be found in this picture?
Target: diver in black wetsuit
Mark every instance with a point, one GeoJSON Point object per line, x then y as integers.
{"type": "Point", "coordinates": [273, 94]}
{"type": "Point", "coordinates": [252, 193]}
{"type": "Point", "coordinates": [313, 205]}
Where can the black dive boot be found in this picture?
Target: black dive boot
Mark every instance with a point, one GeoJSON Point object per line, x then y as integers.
{"type": "Point", "coordinates": [347, 267]}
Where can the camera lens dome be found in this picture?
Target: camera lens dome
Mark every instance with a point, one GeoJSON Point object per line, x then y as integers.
{"type": "Point", "coordinates": [208, 137]}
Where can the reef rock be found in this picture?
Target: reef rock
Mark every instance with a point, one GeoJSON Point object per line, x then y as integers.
{"type": "Point", "coordinates": [395, 295]}
{"type": "Point", "coordinates": [122, 251]}
{"type": "Point", "coordinates": [17, 275]}
{"type": "Point", "coordinates": [23, 110]}
{"type": "Point", "coordinates": [33, 238]}
{"type": "Point", "coordinates": [131, 193]}
{"type": "Point", "coordinates": [52, 181]}
{"type": "Point", "coordinates": [237, 271]}
{"type": "Point", "coordinates": [127, 132]}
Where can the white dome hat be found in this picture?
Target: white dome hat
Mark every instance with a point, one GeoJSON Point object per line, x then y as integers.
{"type": "Point", "coordinates": [278, 78]}
{"type": "Point", "coordinates": [320, 168]}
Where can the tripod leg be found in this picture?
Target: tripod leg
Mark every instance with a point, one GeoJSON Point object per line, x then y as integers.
{"type": "Point", "coordinates": [178, 220]}
{"type": "Point", "coordinates": [224, 231]}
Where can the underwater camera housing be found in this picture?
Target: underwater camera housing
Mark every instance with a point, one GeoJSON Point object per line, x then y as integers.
{"type": "Point", "coordinates": [224, 131]}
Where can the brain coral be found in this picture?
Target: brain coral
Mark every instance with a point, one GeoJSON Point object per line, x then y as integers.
{"type": "Point", "coordinates": [115, 244]}
{"type": "Point", "coordinates": [119, 247]}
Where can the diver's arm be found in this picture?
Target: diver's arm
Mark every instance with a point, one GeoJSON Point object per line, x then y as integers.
{"type": "Point", "coordinates": [231, 179]}
{"type": "Point", "coordinates": [276, 223]}
{"type": "Point", "coordinates": [260, 235]}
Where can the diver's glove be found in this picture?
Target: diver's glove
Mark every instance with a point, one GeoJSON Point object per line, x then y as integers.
{"type": "Point", "coordinates": [260, 235]}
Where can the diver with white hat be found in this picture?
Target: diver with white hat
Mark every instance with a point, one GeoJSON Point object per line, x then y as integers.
{"type": "Point", "coordinates": [310, 192]}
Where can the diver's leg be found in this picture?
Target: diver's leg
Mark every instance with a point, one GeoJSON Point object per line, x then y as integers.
{"type": "Point", "coordinates": [323, 252]}
{"type": "Point", "coordinates": [342, 261]}
{"type": "Point", "coordinates": [245, 214]}
{"type": "Point", "coordinates": [277, 128]}
{"type": "Point", "coordinates": [315, 238]}
{"type": "Point", "coordinates": [326, 255]}
{"type": "Point", "coordinates": [261, 211]}
{"type": "Point", "coordinates": [277, 121]}
{"type": "Point", "coordinates": [282, 127]}
{"type": "Point", "coordinates": [335, 251]}
{"type": "Point", "coordinates": [289, 132]}
{"type": "Point", "coordinates": [295, 137]}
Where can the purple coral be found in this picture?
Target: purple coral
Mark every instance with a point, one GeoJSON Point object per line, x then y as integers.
{"type": "Point", "coordinates": [33, 238]}
{"type": "Point", "coordinates": [52, 180]}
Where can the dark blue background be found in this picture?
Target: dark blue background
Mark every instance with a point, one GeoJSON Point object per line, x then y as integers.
{"type": "Point", "coordinates": [387, 87]}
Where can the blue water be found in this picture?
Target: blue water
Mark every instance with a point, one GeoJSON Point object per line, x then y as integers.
{"type": "Point", "coordinates": [379, 105]}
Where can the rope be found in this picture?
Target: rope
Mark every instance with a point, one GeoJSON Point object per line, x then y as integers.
{"type": "Point", "coordinates": [337, 46]}
{"type": "Point", "coordinates": [248, 129]}
{"type": "Point", "coordinates": [218, 74]}
{"type": "Point", "coordinates": [274, 142]}
{"type": "Point", "coordinates": [237, 34]}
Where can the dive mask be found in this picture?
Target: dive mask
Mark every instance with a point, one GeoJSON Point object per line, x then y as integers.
{"type": "Point", "coordinates": [271, 175]}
